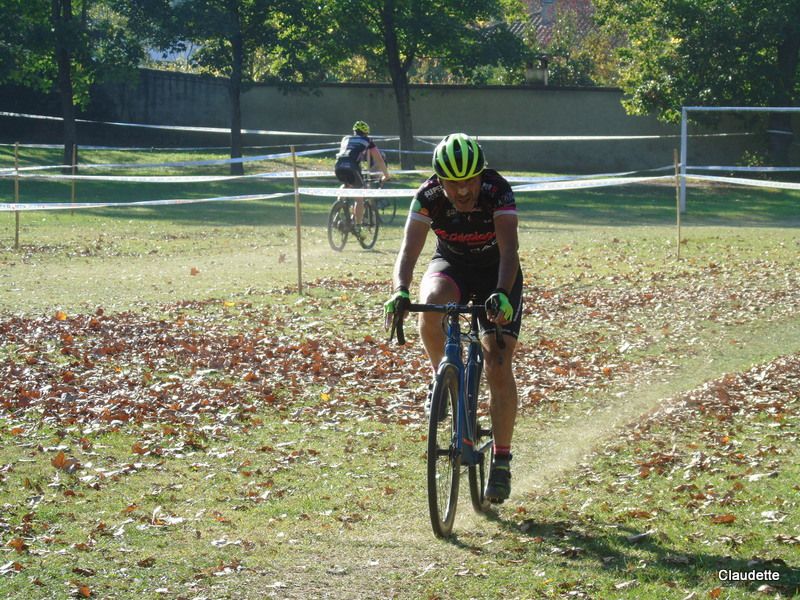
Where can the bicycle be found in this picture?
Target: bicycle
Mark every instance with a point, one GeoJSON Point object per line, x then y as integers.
{"type": "Point", "coordinates": [386, 206]}
{"type": "Point", "coordinates": [456, 436]}
{"type": "Point", "coordinates": [340, 223]}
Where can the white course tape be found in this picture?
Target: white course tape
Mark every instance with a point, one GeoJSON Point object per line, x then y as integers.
{"type": "Point", "coordinates": [749, 182]}
{"type": "Point", "coordinates": [172, 178]}
{"type": "Point", "coordinates": [746, 169]}
{"type": "Point", "coordinates": [532, 187]}
{"type": "Point", "coordinates": [180, 178]}
{"type": "Point", "coordinates": [518, 179]}
{"type": "Point", "coordinates": [159, 148]}
{"type": "Point", "coordinates": [25, 206]}
{"type": "Point", "coordinates": [193, 163]}
{"type": "Point", "coordinates": [499, 138]}
{"type": "Point", "coordinates": [584, 184]}
{"type": "Point", "coordinates": [577, 138]}
{"type": "Point", "coordinates": [393, 151]}
{"type": "Point", "coordinates": [358, 192]}
{"type": "Point", "coordinates": [170, 127]}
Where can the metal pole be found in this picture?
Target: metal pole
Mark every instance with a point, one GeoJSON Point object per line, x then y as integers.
{"type": "Point", "coordinates": [297, 223]}
{"type": "Point", "coordinates": [684, 137]}
{"type": "Point", "coordinates": [16, 195]}
{"type": "Point", "coordinates": [677, 201]}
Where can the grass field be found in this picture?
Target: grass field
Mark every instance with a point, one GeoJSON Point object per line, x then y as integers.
{"type": "Point", "coordinates": [177, 422]}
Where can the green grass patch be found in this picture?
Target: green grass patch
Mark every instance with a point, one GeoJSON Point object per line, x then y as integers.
{"type": "Point", "coordinates": [176, 421]}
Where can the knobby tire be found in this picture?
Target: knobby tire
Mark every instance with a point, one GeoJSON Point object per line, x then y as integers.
{"type": "Point", "coordinates": [478, 474]}
{"type": "Point", "coordinates": [338, 224]}
{"type": "Point", "coordinates": [444, 463]}
{"type": "Point", "coordinates": [369, 226]}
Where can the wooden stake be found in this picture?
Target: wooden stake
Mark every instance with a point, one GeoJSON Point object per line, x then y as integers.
{"type": "Point", "coordinates": [16, 195]}
{"type": "Point", "coordinates": [297, 223]}
{"type": "Point", "coordinates": [677, 200]}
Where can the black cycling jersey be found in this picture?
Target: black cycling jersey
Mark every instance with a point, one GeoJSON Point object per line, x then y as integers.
{"type": "Point", "coordinates": [466, 239]}
{"type": "Point", "coordinates": [355, 147]}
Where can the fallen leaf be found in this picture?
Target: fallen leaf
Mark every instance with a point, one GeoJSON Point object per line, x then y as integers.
{"type": "Point", "coordinates": [17, 544]}
{"type": "Point", "coordinates": [723, 519]}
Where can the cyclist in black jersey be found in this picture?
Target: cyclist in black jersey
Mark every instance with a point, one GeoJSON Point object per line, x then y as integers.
{"type": "Point", "coordinates": [353, 150]}
{"type": "Point", "coordinates": [471, 210]}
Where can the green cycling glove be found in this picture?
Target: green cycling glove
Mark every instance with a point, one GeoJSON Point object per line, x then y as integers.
{"type": "Point", "coordinates": [498, 303]}
{"type": "Point", "coordinates": [398, 301]}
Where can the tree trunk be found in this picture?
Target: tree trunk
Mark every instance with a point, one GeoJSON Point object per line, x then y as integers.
{"type": "Point", "coordinates": [398, 71]}
{"type": "Point", "coordinates": [235, 93]}
{"type": "Point", "coordinates": [403, 95]}
{"type": "Point", "coordinates": [779, 127]}
{"type": "Point", "coordinates": [62, 16]}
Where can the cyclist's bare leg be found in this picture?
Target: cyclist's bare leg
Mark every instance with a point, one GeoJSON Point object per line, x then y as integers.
{"type": "Point", "coordinates": [358, 211]}
{"type": "Point", "coordinates": [435, 289]}
{"type": "Point", "coordinates": [502, 387]}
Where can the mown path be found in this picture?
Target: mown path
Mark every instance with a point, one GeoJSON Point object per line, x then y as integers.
{"type": "Point", "coordinates": [389, 556]}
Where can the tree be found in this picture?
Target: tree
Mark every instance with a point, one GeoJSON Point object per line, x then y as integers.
{"type": "Point", "coordinates": [236, 39]}
{"type": "Point", "coordinates": [392, 36]}
{"type": "Point", "coordinates": [55, 45]}
{"type": "Point", "coordinates": [708, 52]}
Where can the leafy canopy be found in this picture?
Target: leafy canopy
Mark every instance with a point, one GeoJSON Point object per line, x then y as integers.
{"type": "Point", "coordinates": [99, 42]}
{"type": "Point", "coordinates": [436, 37]}
{"type": "Point", "coordinates": [705, 52]}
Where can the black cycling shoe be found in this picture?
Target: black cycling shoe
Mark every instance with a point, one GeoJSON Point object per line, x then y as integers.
{"type": "Point", "coordinates": [498, 488]}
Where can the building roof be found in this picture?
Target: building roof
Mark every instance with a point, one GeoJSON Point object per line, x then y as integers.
{"type": "Point", "coordinates": [544, 13]}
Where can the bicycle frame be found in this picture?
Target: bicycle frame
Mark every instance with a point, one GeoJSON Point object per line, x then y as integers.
{"type": "Point", "coordinates": [467, 373]}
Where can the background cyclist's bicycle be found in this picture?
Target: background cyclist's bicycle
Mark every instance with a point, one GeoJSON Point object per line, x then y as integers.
{"type": "Point", "coordinates": [386, 206]}
{"type": "Point", "coordinates": [340, 223]}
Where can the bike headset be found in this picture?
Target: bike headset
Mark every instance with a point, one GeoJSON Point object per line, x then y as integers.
{"type": "Point", "coordinates": [458, 157]}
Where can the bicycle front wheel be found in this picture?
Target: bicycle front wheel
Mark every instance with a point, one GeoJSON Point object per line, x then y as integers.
{"type": "Point", "coordinates": [369, 227]}
{"type": "Point", "coordinates": [444, 461]}
{"type": "Point", "coordinates": [482, 438]}
{"type": "Point", "coordinates": [338, 225]}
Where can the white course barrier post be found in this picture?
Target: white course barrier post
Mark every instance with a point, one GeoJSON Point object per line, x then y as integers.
{"type": "Point", "coordinates": [74, 171]}
{"type": "Point", "coordinates": [297, 223]}
{"type": "Point", "coordinates": [677, 201]}
{"type": "Point", "coordinates": [684, 136]}
{"type": "Point", "coordinates": [16, 195]}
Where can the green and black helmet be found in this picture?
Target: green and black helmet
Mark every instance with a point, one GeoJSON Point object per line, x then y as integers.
{"type": "Point", "coordinates": [361, 127]}
{"type": "Point", "coordinates": [458, 157]}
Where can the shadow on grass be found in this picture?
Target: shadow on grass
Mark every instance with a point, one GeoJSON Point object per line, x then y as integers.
{"type": "Point", "coordinates": [656, 205]}
{"type": "Point", "coordinates": [665, 564]}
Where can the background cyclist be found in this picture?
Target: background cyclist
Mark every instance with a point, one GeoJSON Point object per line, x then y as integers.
{"type": "Point", "coordinates": [353, 150]}
{"type": "Point", "coordinates": [473, 214]}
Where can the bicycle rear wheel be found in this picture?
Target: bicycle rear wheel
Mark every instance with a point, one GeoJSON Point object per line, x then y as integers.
{"type": "Point", "coordinates": [369, 226]}
{"type": "Point", "coordinates": [338, 225]}
{"type": "Point", "coordinates": [444, 462]}
{"type": "Point", "coordinates": [478, 473]}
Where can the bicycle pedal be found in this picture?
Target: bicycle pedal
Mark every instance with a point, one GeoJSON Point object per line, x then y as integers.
{"type": "Point", "coordinates": [484, 432]}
